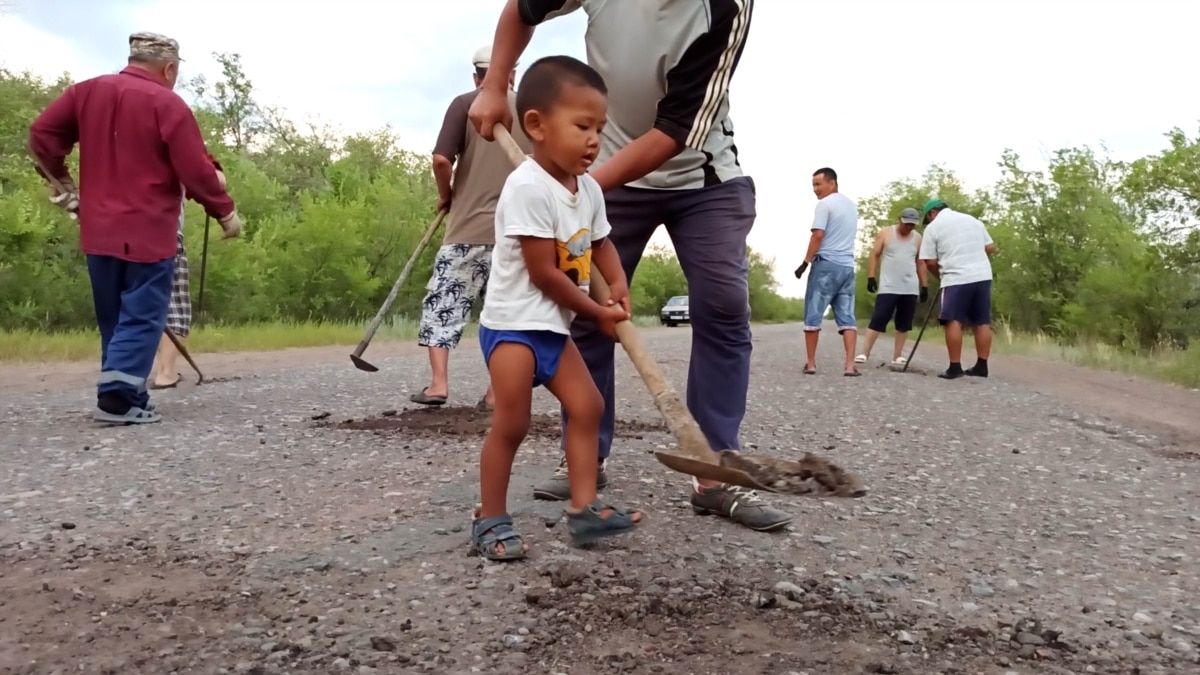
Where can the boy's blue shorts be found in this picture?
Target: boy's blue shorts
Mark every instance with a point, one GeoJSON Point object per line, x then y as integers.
{"type": "Point", "coordinates": [546, 345]}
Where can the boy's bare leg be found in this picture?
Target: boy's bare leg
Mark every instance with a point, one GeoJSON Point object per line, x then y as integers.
{"type": "Point", "coordinates": [574, 388]}
{"type": "Point", "coordinates": [511, 367]}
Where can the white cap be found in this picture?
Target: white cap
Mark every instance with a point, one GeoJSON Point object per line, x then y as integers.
{"type": "Point", "coordinates": [483, 57]}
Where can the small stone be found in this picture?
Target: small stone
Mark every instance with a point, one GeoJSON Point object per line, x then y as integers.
{"type": "Point", "coordinates": [1181, 646]}
{"type": "Point", "coordinates": [67, 525]}
{"type": "Point", "coordinates": [905, 638]}
{"type": "Point", "coordinates": [981, 589]}
{"type": "Point", "coordinates": [823, 539]}
{"type": "Point", "coordinates": [789, 590]}
{"type": "Point", "coordinates": [382, 644]}
{"type": "Point", "coordinates": [511, 641]}
{"type": "Point", "coordinates": [1029, 639]}
{"type": "Point", "coordinates": [1142, 617]}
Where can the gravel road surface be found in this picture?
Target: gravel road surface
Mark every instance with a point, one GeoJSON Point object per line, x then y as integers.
{"type": "Point", "coordinates": [299, 517]}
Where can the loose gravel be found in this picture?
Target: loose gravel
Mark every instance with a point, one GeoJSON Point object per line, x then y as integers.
{"type": "Point", "coordinates": [257, 531]}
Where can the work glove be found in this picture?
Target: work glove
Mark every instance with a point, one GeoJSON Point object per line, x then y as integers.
{"type": "Point", "coordinates": [872, 285]}
{"type": "Point", "coordinates": [231, 225]}
{"type": "Point", "coordinates": [924, 294]}
{"type": "Point", "coordinates": [67, 198]}
{"type": "Point", "coordinates": [800, 270]}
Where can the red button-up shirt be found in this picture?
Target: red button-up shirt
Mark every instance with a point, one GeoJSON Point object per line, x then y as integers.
{"type": "Point", "coordinates": [139, 147]}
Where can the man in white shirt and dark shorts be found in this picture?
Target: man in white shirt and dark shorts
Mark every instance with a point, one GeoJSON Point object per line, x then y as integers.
{"type": "Point", "coordinates": [900, 285]}
{"type": "Point", "coordinates": [957, 249]}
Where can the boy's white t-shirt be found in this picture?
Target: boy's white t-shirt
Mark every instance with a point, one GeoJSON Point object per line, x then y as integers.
{"type": "Point", "coordinates": [534, 204]}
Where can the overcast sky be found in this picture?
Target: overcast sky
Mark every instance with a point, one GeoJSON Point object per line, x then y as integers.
{"type": "Point", "coordinates": [876, 89]}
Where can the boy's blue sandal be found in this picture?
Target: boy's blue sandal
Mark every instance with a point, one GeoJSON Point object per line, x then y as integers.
{"type": "Point", "coordinates": [486, 533]}
{"type": "Point", "coordinates": [589, 525]}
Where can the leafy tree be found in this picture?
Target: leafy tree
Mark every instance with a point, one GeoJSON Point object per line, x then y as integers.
{"type": "Point", "coordinates": [330, 220]}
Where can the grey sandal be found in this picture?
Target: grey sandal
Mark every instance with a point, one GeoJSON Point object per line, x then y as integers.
{"type": "Point", "coordinates": [589, 525]}
{"type": "Point", "coordinates": [486, 533]}
{"type": "Point", "coordinates": [134, 415]}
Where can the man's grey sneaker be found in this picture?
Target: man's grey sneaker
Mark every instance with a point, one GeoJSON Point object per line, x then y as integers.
{"type": "Point", "coordinates": [741, 505]}
{"type": "Point", "coordinates": [558, 488]}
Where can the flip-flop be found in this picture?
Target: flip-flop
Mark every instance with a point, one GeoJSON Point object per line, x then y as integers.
{"type": "Point", "coordinates": [483, 406]}
{"type": "Point", "coordinates": [168, 386]}
{"type": "Point", "coordinates": [810, 371]}
{"type": "Point", "coordinates": [852, 373]}
{"type": "Point", "coordinates": [425, 399]}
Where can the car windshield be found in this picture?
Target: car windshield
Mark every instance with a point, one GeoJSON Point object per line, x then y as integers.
{"type": "Point", "coordinates": [678, 300]}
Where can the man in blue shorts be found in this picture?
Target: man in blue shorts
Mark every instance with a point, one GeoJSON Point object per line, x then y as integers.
{"type": "Point", "coordinates": [956, 248]}
{"type": "Point", "coordinates": [831, 256]}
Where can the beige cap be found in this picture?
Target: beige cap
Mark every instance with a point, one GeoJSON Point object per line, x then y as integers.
{"type": "Point", "coordinates": [483, 57]}
{"type": "Point", "coordinates": [153, 46]}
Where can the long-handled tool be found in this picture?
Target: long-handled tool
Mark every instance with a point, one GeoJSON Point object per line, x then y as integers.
{"type": "Point", "coordinates": [762, 473]}
{"type": "Point", "coordinates": [183, 351]}
{"type": "Point", "coordinates": [203, 266]}
{"type": "Point", "coordinates": [924, 324]}
{"type": "Point", "coordinates": [356, 355]}
{"type": "Point", "coordinates": [54, 183]}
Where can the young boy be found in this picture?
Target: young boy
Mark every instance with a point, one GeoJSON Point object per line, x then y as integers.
{"type": "Point", "coordinates": [551, 228]}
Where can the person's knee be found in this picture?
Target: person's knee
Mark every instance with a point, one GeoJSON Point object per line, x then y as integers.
{"type": "Point", "coordinates": [721, 301]}
{"type": "Point", "coordinates": [586, 408]}
{"type": "Point", "coordinates": [511, 429]}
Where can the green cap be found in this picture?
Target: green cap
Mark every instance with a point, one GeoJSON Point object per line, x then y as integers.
{"type": "Point", "coordinates": [930, 205]}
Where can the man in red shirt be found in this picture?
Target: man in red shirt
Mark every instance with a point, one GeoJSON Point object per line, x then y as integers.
{"type": "Point", "coordinates": [139, 148]}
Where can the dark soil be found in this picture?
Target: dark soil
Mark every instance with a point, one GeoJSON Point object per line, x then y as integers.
{"type": "Point", "coordinates": [469, 421]}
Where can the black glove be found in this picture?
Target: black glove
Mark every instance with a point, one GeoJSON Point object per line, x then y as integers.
{"type": "Point", "coordinates": [872, 285]}
{"type": "Point", "coordinates": [924, 294]}
{"type": "Point", "coordinates": [800, 270]}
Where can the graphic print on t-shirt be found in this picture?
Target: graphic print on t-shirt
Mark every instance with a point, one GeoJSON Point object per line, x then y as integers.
{"type": "Point", "coordinates": [575, 257]}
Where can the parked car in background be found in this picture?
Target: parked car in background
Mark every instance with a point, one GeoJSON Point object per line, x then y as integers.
{"type": "Point", "coordinates": [675, 311]}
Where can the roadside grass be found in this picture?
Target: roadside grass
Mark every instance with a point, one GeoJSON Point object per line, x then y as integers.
{"type": "Point", "coordinates": [22, 346]}
{"type": "Point", "coordinates": [1165, 364]}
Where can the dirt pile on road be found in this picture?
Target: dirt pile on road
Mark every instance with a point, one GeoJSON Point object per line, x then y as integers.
{"type": "Point", "coordinates": [469, 421]}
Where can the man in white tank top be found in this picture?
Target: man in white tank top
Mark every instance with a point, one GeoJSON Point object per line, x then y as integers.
{"type": "Point", "coordinates": [901, 283]}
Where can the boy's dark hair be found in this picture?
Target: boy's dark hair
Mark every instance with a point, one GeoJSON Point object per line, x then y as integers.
{"type": "Point", "coordinates": [543, 82]}
{"type": "Point", "coordinates": [480, 72]}
{"type": "Point", "coordinates": [829, 173]}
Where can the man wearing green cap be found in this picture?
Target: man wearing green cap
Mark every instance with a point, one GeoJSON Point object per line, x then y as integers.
{"type": "Point", "coordinates": [956, 249]}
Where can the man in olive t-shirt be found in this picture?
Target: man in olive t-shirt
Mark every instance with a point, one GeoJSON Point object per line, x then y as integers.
{"type": "Point", "coordinates": [460, 271]}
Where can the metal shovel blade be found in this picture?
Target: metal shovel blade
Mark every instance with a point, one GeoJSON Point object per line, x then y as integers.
{"type": "Point", "coordinates": [811, 476]}
{"type": "Point", "coordinates": [706, 471]}
{"type": "Point", "coordinates": [363, 365]}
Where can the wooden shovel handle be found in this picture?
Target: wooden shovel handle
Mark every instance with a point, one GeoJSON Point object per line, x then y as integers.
{"type": "Point", "coordinates": [679, 420]}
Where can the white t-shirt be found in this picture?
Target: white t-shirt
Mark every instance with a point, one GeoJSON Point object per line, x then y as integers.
{"type": "Point", "coordinates": [956, 241]}
{"type": "Point", "coordinates": [837, 214]}
{"type": "Point", "coordinates": [534, 204]}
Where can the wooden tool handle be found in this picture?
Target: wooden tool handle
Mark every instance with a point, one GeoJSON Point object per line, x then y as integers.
{"type": "Point", "coordinates": [679, 420]}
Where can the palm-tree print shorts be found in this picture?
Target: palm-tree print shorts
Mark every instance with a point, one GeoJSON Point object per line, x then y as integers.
{"type": "Point", "coordinates": [460, 275]}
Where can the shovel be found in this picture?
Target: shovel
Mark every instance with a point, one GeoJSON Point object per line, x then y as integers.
{"type": "Point", "coordinates": [356, 355]}
{"type": "Point", "coordinates": [810, 476]}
